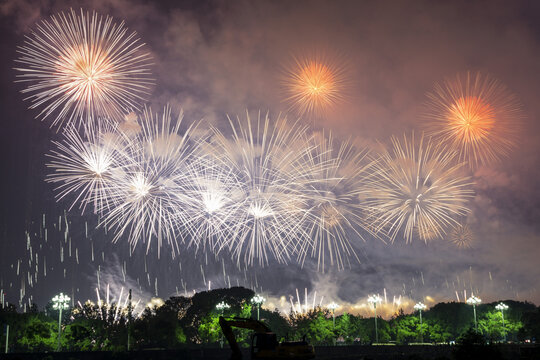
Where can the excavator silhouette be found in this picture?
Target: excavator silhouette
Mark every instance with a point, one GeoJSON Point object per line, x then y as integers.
{"type": "Point", "coordinates": [264, 344]}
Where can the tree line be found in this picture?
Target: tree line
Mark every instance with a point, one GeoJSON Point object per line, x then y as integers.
{"type": "Point", "coordinates": [193, 321]}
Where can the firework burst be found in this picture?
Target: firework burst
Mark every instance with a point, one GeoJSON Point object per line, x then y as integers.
{"type": "Point", "coordinates": [314, 86]}
{"type": "Point", "coordinates": [334, 197]}
{"type": "Point", "coordinates": [83, 164]}
{"type": "Point", "coordinates": [263, 156]}
{"type": "Point", "coordinates": [212, 194]}
{"type": "Point", "coordinates": [476, 115]}
{"type": "Point", "coordinates": [417, 188]}
{"type": "Point", "coordinates": [79, 67]}
{"type": "Point", "coordinates": [462, 236]}
{"type": "Point", "coordinates": [148, 189]}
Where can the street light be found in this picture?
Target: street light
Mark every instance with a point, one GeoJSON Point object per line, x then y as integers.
{"type": "Point", "coordinates": [374, 300]}
{"type": "Point", "coordinates": [333, 306]}
{"type": "Point", "coordinates": [502, 307]}
{"type": "Point", "coordinates": [60, 302]}
{"type": "Point", "coordinates": [473, 300]}
{"type": "Point", "coordinates": [258, 300]}
{"type": "Point", "coordinates": [420, 307]}
{"type": "Point", "coordinates": [221, 307]}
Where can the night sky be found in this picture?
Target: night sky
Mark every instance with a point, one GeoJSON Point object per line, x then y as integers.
{"type": "Point", "coordinates": [213, 58]}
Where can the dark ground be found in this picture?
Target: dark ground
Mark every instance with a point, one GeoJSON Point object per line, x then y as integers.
{"type": "Point", "coordinates": [505, 352]}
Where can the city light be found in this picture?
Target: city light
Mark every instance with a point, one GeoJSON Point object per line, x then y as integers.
{"type": "Point", "coordinates": [502, 307]}
{"type": "Point", "coordinates": [60, 302]}
{"type": "Point", "coordinates": [258, 300]}
{"type": "Point", "coordinates": [420, 307]}
{"type": "Point", "coordinates": [222, 306]}
{"type": "Point", "coordinates": [374, 300]}
{"type": "Point", "coordinates": [473, 300]}
{"type": "Point", "coordinates": [333, 306]}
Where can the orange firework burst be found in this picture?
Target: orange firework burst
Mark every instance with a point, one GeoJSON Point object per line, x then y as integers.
{"type": "Point", "coordinates": [476, 115]}
{"type": "Point", "coordinates": [79, 67]}
{"type": "Point", "coordinates": [314, 86]}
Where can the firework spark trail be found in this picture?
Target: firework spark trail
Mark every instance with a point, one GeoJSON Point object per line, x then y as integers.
{"type": "Point", "coordinates": [476, 115]}
{"type": "Point", "coordinates": [83, 164]}
{"type": "Point", "coordinates": [334, 197]}
{"type": "Point", "coordinates": [314, 85]}
{"type": "Point", "coordinates": [417, 187]}
{"type": "Point", "coordinates": [148, 191]}
{"type": "Point", "coordinates": [80, 67]}
{"type": "Point", "coordinates": [270, 208]}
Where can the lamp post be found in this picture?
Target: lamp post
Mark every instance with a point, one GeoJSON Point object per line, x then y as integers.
{"type": "Point", "coordinates": [374, 300]}
{"type": "Point", "coordinates": [221, 307]}
{"type": "Point", "coordinates": [473, 300]}
{"type": "Point", "coordinates": [258, 300]}
{"type": "Point", "coordinates": [60, 302]}
{"type": "Point", "coordinates": [129, 314]}
{"type": "Point", "coordinates": [502, 307]}
{"type": "Point", "coordinates": [333, 306]}
{"type": "Point", "coordinates": [420, 307]}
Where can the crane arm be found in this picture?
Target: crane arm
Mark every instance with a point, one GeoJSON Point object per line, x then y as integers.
{"type": "Point", "coordinates": [228, 324]}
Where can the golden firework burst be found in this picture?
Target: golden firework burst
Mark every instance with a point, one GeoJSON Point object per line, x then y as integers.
{"type": "Point", "coordinates": [314, 86]}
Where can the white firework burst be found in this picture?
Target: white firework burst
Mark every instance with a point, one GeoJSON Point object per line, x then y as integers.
{"type": "Point", "coordinates": [83, 164]}
{"type": "Point", "coordinates": [148, 190]}
{"type": "Point", "coordinates": [334, 197]}
{"type": "Point", "coordinates": [79, 67]}
{"type": "Point", "coordinates": [269, 209]}
{"type": "Point", "coordinates": [417, 187]}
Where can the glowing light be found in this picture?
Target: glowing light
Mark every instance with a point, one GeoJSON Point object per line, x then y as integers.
{"type": "Point", "coordinates": [140, 186]}
{"type": "Point", "coordinates": [260, 210]}
{"type": "Point", "coordinates": [332, 306]}
{"type": "Point", "coordinates": [374, 300]}
{"type": "Point", "coordinates": [222, 306]}
{"type": "Point", "coordinates": [473, 300]}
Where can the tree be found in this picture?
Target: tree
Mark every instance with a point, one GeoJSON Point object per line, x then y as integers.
{"type": "Point", "coordinates": [344, 328]}
{"type": "Point", "coordinates": [531, 325]}
{"type": "Point", "coordinates": [437, 332]}
{"type": "Point", "coordinates": [315, 325]}
{"type": "Point", "coordinates": [491, 325]}
{"type": "Point", "coordinates": [406, 328]}
{"type": "Point", "coordinates": [39, 334]}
